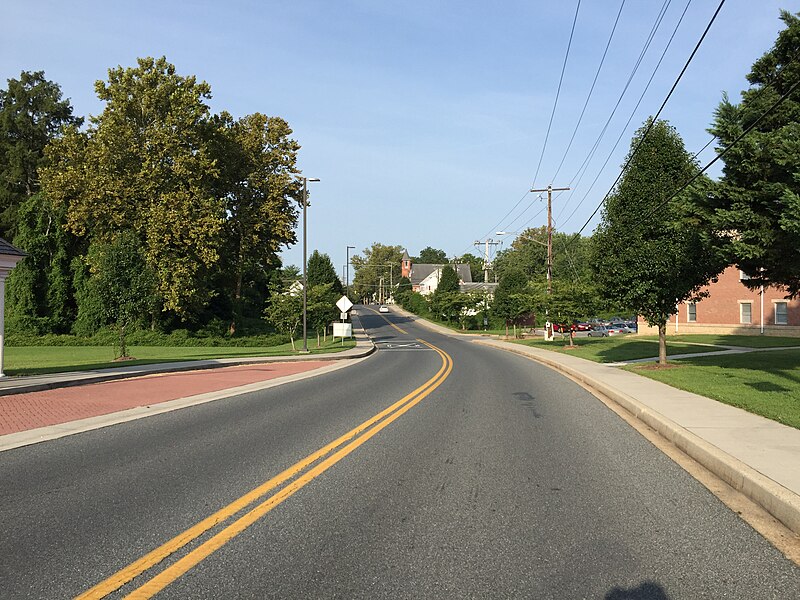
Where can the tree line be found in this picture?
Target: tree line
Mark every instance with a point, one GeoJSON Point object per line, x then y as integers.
{"type": "Point", "coordinates": [155, 213]}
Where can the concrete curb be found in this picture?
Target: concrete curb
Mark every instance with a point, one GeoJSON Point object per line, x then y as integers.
{"type": "Point", "coordinates": [38, 383]}
{"type": "Point", "coordinates": [780, 502]}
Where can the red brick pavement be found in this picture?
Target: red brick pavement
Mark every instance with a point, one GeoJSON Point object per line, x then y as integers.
{"type": "Point", "coordinates": [21, 412]}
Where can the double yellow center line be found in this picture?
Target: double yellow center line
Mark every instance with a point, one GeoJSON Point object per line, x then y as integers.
{"type": "Point", "coordinates": [294, 478]}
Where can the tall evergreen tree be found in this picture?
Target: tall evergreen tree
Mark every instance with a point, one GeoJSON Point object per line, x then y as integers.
{"type": "Point", "coordinates": [320, 271]}
{"type": "Point", "coordinates": [757, 203]}
{"type": "Point", "coordinates": [32, 113]}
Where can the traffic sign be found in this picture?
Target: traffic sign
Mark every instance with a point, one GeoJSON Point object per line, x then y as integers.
{"type": "Point", "coordinates": [344, 304]}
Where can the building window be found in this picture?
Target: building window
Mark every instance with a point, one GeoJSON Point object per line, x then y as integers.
{"type": "Point", "coordinates": [746, 312]}
{"type": "Point", "coordinates": [691, 315]}
{"type": "Point", "coordinates": [743, 275]}
{"type": "Point", "coordinates": [781, 313]}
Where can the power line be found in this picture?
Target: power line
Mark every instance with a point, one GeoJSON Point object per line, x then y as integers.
{"type": "Point", "coordinates": [558, 93]}
{"type": "Point", "coordinates": [650, 126]}
{"type": "Point", "coordinates": [591, 90]}
{"type": "Point", "coordinates": [627, 123]}
{"type": "Point", "coordinates": [725, 151]}
{"type": "Point", "coordinates": [651, 35]}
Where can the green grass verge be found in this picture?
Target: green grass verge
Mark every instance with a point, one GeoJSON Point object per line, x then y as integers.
{"type": "Point", "coordinates": [764, 383]}
{"type": "Point", "coordinates": [38, 360]}
{"type": "Point", "coordinates": [615, 349]}
{"type": "Point", "coordinates": [748, 341]}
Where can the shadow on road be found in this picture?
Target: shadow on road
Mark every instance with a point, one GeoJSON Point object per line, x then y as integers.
{"type": "Point", "coordinates": [645, 591]}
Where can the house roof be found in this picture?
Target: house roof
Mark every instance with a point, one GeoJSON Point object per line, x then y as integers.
{"type": "Point", "coordinates": [421, 271]}
{"type": "Point", "coordinates": [478, 285]}
{"type": "Point", "coordinates": [6, 248]}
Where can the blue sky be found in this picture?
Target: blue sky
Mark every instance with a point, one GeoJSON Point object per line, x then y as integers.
{"type": "Point", "coordinates": [425, 121]}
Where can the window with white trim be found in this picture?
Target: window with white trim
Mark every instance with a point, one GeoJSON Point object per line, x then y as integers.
{"type": "Point", "coordinates": [691, 312]}
{"type": "Point", "coordinates": [743, 275]}
{"type": "Point", "coordinates": [781, 313]}
{"type": "Point", "coordinates": [745, 312]}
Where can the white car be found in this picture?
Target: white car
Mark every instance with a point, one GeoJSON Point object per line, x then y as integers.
{"type": "Point", "coordinates": [383, 308]}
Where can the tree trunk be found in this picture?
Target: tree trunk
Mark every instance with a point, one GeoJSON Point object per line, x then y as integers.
{"type": "Point", "coordinates": [506, 329]}
{"type": "Point", "coordinates": [662, 343]}
{"type": "Point", "coordinates": [123, 349]}
{"type": "Point", "coordinates": [291, 339]}
{"type": "Point", "coordinates": [571, 337]}
{"type": "Point", "coordinates": [317, 338]}
{"type": "Point", "coordinates": [237, 296]}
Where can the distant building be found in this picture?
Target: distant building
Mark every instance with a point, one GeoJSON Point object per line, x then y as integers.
{"type": "Point", "coordinates": [425, 278]}
{"type": "Point", "coordinates": [733, 308]}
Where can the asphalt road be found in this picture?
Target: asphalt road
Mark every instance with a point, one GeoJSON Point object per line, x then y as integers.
{"type": "Point", "coordinates": [491, 477]}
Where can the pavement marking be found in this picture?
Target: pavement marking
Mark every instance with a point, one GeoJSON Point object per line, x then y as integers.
{"type": "Point", "coordinates": [388, 321]}
{"type": "Point", "coordinates": [340, 447]}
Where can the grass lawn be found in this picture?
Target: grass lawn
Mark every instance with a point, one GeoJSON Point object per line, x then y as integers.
{"type": "Point", "coordinates": [750, 341]}
{"type": "Point", "coordinates": [614, 349]}
{"type": "Point", "coordinates": [764, 383]}
{"type": "Point", "coordinates": [36, 360]}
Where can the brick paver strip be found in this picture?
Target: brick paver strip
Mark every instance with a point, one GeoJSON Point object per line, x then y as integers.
{"type": "Point", "coordinates": [22, 412]}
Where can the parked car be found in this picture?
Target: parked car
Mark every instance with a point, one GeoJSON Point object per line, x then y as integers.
{"type": "Point", "coordinates": [562, 327]}
{"type": "Point", "coordinates": [383, 308]}
{"type": "Point", "coordinates": [633, 326]}
{"type": "Point", "coordinates": [583, 326]}
{"type": "Point", "coordinates": [617, 328]}
{"type": "Point", "coordinates": [598, 331]}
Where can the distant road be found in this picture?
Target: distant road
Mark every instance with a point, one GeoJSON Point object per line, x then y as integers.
{"type": "Point", "coordinates": [436, 468]}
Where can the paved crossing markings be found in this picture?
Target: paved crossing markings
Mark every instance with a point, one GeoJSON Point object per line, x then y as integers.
{"type": "Point", "coordinates": [402, 345]}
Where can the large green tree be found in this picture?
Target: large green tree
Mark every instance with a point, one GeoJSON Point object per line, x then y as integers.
{"type": "Point", "coordinates": [757, 202]}
{"type": "Point", "coordinates": [432, 256]}
{"type": "Point", "coordinates": [256, 159]}
{"type": "Point", "coordinates": [32, 113]}
{"type": "Point", "coordinates": [146, 165]}
{"type": "Point", "coordinates": [379, 261]}
{"type": "Point", "coordinates": [512, 298]}
{"type": "Point", "coordinates": [651, 263]}
{"type": "Point", "coordinates": [123, 283]}
{"type": "Point", "coordinates": [475, 266]}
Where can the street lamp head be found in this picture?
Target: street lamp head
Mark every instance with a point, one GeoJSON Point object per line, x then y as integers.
{"type": "Point", "coordinates": [312, 179]}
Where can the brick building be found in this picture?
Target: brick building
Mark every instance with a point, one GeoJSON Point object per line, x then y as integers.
{"type": "Point", "coordinates": [733, 308]}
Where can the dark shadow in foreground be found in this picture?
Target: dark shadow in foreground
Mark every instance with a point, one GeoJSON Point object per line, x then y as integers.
{"type": "Point", "coordinates": [646, 591]}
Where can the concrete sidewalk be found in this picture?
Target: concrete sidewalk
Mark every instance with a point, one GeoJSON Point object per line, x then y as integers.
{"type": "Point", "coordinates": [37, 383]}
{"type": "Point", "coordinates": [756, 456]}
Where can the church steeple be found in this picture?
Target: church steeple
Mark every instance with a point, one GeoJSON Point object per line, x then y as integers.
{"type": "Point", "coordinates": [405, 270]}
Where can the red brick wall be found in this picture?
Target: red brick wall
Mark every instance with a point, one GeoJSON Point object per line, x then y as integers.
{"type": "Point", "coordinates": [720, 310]}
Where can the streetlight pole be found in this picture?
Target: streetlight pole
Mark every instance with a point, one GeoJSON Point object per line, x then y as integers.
{"type": "Point", "coordinates": [347, 270]}
{"type": "Point", "coordinates": [305, 262]}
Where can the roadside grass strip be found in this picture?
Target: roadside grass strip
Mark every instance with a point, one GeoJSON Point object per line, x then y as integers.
{"type": "Point", "coordinates": [40, 360]}
{"type": "Point", "coordinates": [616, 349]}
{"type": "Point", "coordinates": [292, 479]}
{"type": "Point", "coordinates": [765, 383]}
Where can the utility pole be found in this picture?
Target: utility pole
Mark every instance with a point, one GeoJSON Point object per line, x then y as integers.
{"type": "Point", "coordinates": [550, 189]}
{"type": "Point", "coordinates": [487, 263]}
